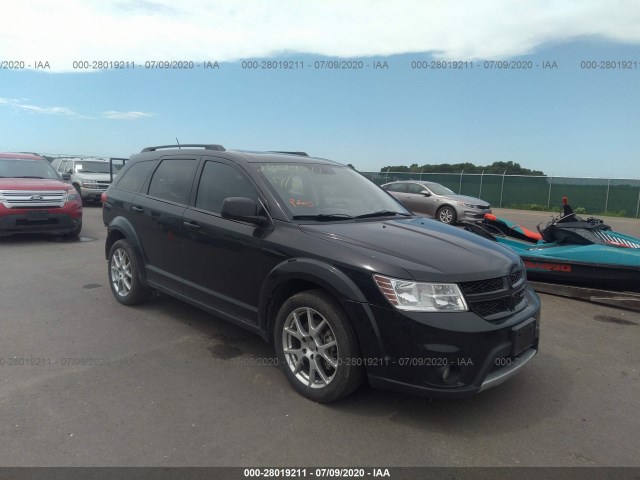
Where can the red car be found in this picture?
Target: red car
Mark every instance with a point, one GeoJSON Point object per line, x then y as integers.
{"type": "Point", "coordinates": [34, 198]}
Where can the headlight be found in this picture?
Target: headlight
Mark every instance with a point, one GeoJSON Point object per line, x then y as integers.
{"type": "Point", "coordinates": [421, 296]}
{"type": "Point", "coordinates": [468, 205]}
{"type": "Point", "coordinates": [72, 195]}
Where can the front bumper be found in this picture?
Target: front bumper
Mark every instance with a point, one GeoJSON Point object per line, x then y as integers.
{"type": "Point", "coordinates": [473, 215]}
{"type": "Point", "coordinates": [448, 355]}
{"type": "Point", "coordinates": [56, 223]}
{"type": "Point", "coordinates": [92, 193]}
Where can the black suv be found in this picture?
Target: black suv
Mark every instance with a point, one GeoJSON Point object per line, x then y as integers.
{"type": "Point", "coordinates": [313, 256]}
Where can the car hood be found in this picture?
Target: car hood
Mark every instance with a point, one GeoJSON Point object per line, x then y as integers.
{"type": "Point", "coordinates": [32, 184]}
{"type": "Point", "coordinates": [465, 199]}
{"type": "Point", "coordinates": [93, 176]}
{"type": "Point", "coordinates": [428, 250]}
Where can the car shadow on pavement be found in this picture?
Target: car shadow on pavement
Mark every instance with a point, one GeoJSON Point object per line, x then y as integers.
{"type": "Point", "coordinates": [538, 394]}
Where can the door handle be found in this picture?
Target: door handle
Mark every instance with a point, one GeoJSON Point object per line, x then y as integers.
{"type": "Point", "coordinates": [191, 226]}
{"type": "Point", "coordinates": [137, 209]}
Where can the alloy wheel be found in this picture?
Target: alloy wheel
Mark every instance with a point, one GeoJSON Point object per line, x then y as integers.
{"type": "Point", "coordinates": [121, 274]}
{"type": "Point", "coordinates": [310, 348]}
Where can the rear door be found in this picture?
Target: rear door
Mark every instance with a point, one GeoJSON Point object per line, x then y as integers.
{"type": "Point", "coordinates": [157, 216]}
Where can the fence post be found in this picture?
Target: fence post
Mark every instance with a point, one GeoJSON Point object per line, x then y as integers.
{"type": "Point", "coordinates": [421, 170]}
{"type": "Point", "coordinates": [638, 206]}
{"type": "Point", "coordinates": [387, 175]}
{"type": "Point", "coordinates": [481, 177]}
{"type": "Point", "coordinates": [549, 196]}
{"type": "Point", "coordinates": [606, 202]}
{"type": "Point", "coordinates": [502, 188]}
{"type": "Point", "coordinates": [460, 187]}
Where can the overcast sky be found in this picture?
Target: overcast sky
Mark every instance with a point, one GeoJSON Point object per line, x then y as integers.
{"type": "Point", "coordinates": [564, 120]}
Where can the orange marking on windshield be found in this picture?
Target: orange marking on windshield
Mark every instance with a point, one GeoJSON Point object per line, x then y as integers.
{"type": "Point", "coordinates": [301, 203]}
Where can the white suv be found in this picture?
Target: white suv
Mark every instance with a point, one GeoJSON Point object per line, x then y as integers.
{"type": "Point", "coordinates": [90, 175]}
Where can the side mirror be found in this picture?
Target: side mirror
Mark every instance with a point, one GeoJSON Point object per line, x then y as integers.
{"type": "Point", "coordinates": [66, 177]}
{"type": "Point", "coordinates": [243, 209]}
{"type": "Point", "coordinates": [426, 193]}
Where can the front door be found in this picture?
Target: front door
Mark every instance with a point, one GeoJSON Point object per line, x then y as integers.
{"type": "Point", "coordinates": [224, 264]}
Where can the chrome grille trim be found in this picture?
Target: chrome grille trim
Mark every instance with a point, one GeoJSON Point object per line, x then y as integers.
{"type": "Point", "coordinates": [24, 198]}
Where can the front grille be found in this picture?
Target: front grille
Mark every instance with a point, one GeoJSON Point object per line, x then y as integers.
{"type": "Point", "coordinates": [32, 198]}
{"type": "Point", "coordinates": [483, 286]}
{"type": "Point", "coordinates": [496, 298]}
{"type": "Point", "coordinates": [492, 307]}
{"type": "Point", "coordinates": [482, 207]}
{"type": "Point", "coordinates": [516, 277]}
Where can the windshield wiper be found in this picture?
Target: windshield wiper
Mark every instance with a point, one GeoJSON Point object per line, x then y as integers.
{"type": "Point", "coordinates": [383, 213]}
{"type": "Point", "coordinates": [324, 216]}
{"type": "Point", "coordinates": [26, 176]}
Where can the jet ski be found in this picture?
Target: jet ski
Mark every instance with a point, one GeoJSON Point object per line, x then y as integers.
{"type": "Point", "coordinates": [570, 250]}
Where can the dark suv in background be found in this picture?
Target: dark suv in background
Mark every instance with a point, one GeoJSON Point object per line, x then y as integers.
{"type": "Point", "coordinates": [314, 257]}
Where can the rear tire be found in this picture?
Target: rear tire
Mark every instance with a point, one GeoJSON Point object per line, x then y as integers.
{"type": "Point", "coordinates": [124, 274]}
{"type": "Point", "coordinates": [317, 348]}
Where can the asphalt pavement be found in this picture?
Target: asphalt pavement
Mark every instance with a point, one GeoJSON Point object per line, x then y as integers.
{"type": "Point", "coordinates": [85, 381]}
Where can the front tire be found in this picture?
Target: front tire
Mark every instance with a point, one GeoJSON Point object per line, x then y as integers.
{"type": "Point", "coordinates": [316, 347]}
{"type": "Point", "coordinates": [124, 275]}
{"type": "Point", "coordinates": [447, 215]}
{"type": "Point", "coordinates": [74, 233]}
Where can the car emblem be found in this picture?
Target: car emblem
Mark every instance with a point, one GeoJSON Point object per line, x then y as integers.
{"type": "Point", "coordinates": [36, 197]}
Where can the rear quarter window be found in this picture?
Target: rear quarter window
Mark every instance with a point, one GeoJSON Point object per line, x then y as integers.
{"type": "Point", "coordinates": [132, 179]}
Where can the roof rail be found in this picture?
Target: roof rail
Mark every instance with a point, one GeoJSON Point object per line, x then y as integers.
{"type": "Point", "coordinates": [218, 148]}
{"type": "Point", "coordinates": [302, 154]}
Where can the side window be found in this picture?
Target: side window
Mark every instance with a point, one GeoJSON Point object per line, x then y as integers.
{"type": "Point", "coordinates": [172, 180]}
{"type": "Point", "coordinates": [219, 181]}
{"type": "Point", "coordinates": [133, 179]}
{"type": "Point", "coordinates": [397, 187]}
{"type": "Point", "coordinates": [61, 166]}
{"type": "Point", "coordinates": [415, 188]}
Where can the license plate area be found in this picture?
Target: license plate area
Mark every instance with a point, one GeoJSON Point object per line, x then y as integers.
{"type": "Point", "coordinates": [37, 215]}
{"type": "Point", "coordinates": [523, 336]}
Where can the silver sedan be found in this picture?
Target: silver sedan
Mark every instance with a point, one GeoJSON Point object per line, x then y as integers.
{"type": "Point", "coordinates": [437, 201]}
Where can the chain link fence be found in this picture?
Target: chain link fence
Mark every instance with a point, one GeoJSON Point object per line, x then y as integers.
{"type": "Point", "coordinates": [593, 196]}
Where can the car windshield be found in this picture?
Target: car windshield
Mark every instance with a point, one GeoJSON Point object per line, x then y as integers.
{"type": "Point", "coordinates": [25, 168]}
{"type": "Point", "coordinates": [439, 189]}
{"type": "Point", "coordinates": [95, 167]}
{"type": "Point", "coordinates": [327, 192]}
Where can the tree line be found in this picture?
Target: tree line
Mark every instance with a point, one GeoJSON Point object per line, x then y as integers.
{"type": "Point", "coordinates": [511, 168]}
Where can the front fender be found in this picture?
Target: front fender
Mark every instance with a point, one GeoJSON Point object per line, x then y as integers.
{"type": "Point", "coordinates": [334, 281]}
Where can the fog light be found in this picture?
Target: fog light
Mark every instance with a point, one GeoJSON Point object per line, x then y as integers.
{"type": "Point", "coordinates": [450, 374]}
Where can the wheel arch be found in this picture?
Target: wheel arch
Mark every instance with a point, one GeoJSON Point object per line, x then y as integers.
{"type": "Point", "coordinates": [120, 229]}
{"type": "Point", "coordinates": [297, 275]}
{"type": "Point", "coordinates": [449, 205]}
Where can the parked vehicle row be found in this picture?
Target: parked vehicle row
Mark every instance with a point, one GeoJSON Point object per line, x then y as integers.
{"type": "Point", "coordinates": [346, 283]}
